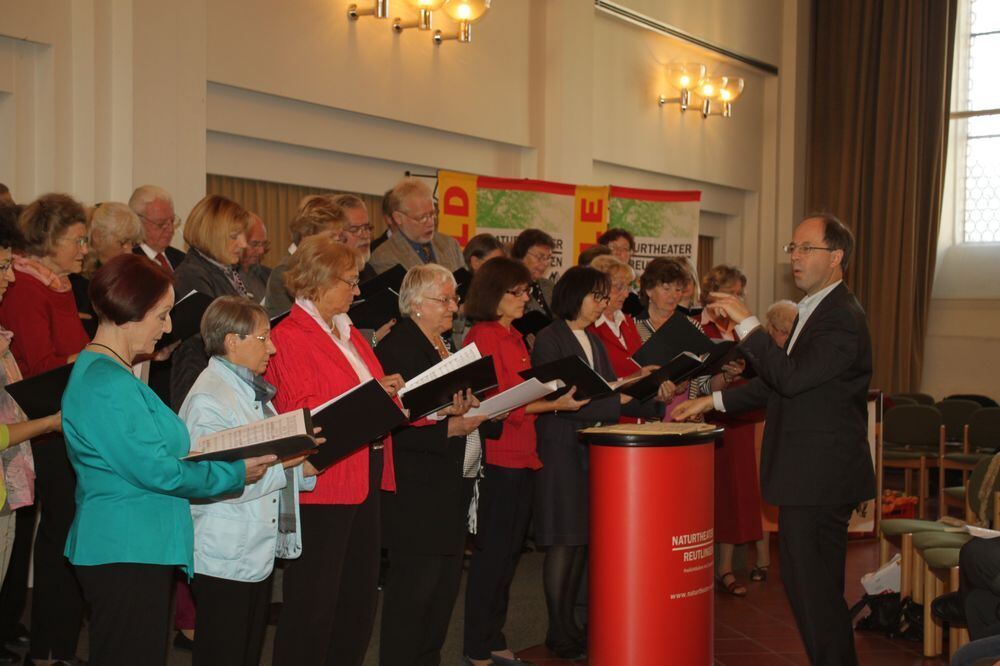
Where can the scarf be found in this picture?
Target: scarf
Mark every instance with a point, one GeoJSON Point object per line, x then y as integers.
{"type": "Point", "coordinates": [36, 269]}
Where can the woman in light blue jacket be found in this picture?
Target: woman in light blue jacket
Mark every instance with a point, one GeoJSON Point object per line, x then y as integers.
{"type": "Point", "coordinates": [237, 537]}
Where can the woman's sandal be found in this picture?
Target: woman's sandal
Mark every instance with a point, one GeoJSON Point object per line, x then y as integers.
{"type": "Point", "coordinates": [733, 587]}
{"type": "Point", "coordinates": [758, 574]}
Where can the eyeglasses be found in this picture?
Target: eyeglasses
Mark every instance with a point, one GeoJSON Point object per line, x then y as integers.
{"type": "Point", "coordinates": [263, 338]}
{"type": "Point", "coordinates": [79, 242]}
{"type": "Point", "coordinates": [353, 284]}
{"type": "Point", "coordinates": [543, 258]}
{"type": "Point", "coordinates": [601, 297]}
{"type": "Point", "coordinates": [163, 225]}
{"type": "Point", "coordinates": [447, 300]}
{"type": "Point", "coordinates": [360, 229]}
{"type": "Point", "coordinates": [4, 267]}
{"type": "Point", "coordinates": [619, 286]}
{"type": "Point", "coordinates": [792, 248]}
{"type": "Point", "coordinates": [260, 245]}
{"type": "Point", "coordinates": [425, 218]}
{"type": "Point", "coordinates": [518, 293]}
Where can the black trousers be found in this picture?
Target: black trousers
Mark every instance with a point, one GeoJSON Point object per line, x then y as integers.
{"type": "Point", "coordinates": [331, 592]}
{"type": "Point", "coordinates": [232, 618]}
{"type": "Point", "coordinates": [56, 601]}
{"type": "Point", "coordinates": [419, 596]}
{"type": "Point", "coordinates": [813, 547]}
{"type": "Point", "coordinates": [14, 592]}
{"type": "Point", "coordinates": [979, 585]}
{"type": "Point", "coordinates": [129, 612]}
{"type": "Point", "coordinates": [505, 498]}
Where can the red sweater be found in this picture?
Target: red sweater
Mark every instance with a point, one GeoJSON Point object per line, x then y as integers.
{"type": "Point", "coordinates": [308, 370]}
{"type": "Point", "coordinates": [45, 323]}
{"type": "Point", "coordinates": [516, 447]}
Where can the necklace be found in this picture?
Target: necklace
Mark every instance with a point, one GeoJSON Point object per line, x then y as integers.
{"type": "Point", "coordinates": [124, 362]}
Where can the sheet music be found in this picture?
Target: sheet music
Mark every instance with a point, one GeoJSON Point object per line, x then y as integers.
{"type": "Point", "coordinates": [276, 427]}
{"type": "Point", "coordinates": [457, 360]}
{"type": "Point", "coordinates": [514, 397]}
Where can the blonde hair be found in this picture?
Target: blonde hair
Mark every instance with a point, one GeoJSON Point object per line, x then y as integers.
{"type": "Point", "coordinates": [607, 263]}
{"type": "Point", "coordinates": [112, 224]}
{"type": "Point", "coordinates": [320, 212]}
{"type": "Point", "coordinates": [319, 260]}
{"type": "Point", "coordinates": [418, 281]}
{"type": "Point", "coordinates": [210, 224]}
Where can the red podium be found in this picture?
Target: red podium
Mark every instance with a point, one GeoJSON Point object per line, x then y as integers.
{"type": "Point", "coordinates": [651, 544]}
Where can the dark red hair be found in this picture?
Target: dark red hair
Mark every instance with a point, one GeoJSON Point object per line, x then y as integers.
{"type": "Point", "coordinates": [127, 287]}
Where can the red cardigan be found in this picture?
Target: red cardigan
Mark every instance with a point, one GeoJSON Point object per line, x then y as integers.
{"type": "Point", "coordinates": [620, 355]}
{"type": "Point", "coordinates": [309, 369]}
{"type": "Point", "coordinates": [45, 323]}
{"type": "Point", "coordinates": [516, 447]}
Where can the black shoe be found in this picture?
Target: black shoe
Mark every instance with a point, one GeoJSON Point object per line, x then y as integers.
{"type": "Point", "coordinates": [182, 642]}
{"type": "Point", "coordinates": [569, 650]}
{"type": "Point", "coordinates": [948, 608]}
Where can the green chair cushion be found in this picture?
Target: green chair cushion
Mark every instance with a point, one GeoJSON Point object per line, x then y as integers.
{"type": "Point", "coordinates": [941, 558]}
{"type": "Point", "coordinates": [897, 526]}
{"type": "Point", "coordinates": [905, 454]}
{"type": "Point", "coordinates": [958, 492]}
{"type": "Point", "coordinates": [925, 540]}
{"type": "Point", "coordinates": [967, 458]}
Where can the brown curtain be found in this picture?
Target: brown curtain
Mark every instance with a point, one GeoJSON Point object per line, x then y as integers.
{"type": "Point", "coordinates": [706, 255]}
{"type": "Point", "coordinates": [881, 76]}
{"type": "Point", "coordinates": [277, 203]}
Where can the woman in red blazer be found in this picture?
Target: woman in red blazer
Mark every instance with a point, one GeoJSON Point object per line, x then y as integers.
{"type": "Point", "coordinates": [330, 592]}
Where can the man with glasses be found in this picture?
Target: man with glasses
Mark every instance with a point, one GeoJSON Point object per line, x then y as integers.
{"type": "Point", "coordinates": [252, 269]}
{"type": "Point", "coordinates": [155, 208]}
{"type": "Point", "coordinates": [416, 240]}
{"type": "Point", "coordinates": [358, 230]}
{"type": "Point", "coordinates": [815, 461]}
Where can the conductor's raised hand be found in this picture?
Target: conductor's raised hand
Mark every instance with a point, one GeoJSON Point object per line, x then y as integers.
{"type": "Point", "coordinates": [257, 467]}
{"type": "Point", "coordinates": [727, 305]}
{"type": "Point", "coordinates": [690, 408]}
{"type": "Point", "coordinates": [392, 383]}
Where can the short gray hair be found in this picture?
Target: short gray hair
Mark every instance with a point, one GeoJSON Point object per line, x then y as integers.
{"type": "Point", "coordinates": [418, 281]}
{"type": "Point", "coordinates": [113, 223]}
{"type": "Point", "coordinates": [783, 311]}
{"type": "Point", "coordinates": [145, 195]}
{"type": "Point", "coordinates": [229, 314]}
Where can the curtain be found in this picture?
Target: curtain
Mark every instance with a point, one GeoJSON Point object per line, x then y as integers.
{"type": "Point", "coordinates": [706, 255]}
{"type": "Point", "coordinates": [878, 129]}
{"type": "Point", "coordinates": [277, 203]}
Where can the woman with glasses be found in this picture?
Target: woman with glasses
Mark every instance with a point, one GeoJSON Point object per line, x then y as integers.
{"type": "Point", "coordinates": [497, 296]}
{"type": "Point", "coordinates": [330, 592]}
{"type": "Point", "coordinates": [236, 538]}
{"type": "Point", "coordinates": [215, 232]}
{"type": "Point", "coordinates": [534, 248]}
{"type": "Point", "coordinates": [561, 493]}
{"type": "Point", "coordinates": [39, 309]}
{"type": "Point", "coordinates": [424, 522]}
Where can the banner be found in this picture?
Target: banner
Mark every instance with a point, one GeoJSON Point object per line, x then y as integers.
{"type": "Point", "coordinates": [574, 215]}
{"type": "Point", "coordinates": [663, 223]}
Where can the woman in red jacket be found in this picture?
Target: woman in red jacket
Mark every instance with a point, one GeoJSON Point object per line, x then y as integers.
{"type": "Point", "coordinates": [39, 308]}
{"type": "Point", "coordinates": [330, 592]}
{"type": "Point", "coordinates": [497, 297]}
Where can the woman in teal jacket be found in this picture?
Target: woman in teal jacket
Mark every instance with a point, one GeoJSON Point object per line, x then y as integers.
{"type": "Point", "coordinates": [236, 538]}
{"type": "Point", "coordinates": [132, 525]}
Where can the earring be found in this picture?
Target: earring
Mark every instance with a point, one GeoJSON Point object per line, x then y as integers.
{"type": "Point", "coordinates": [419, 315]}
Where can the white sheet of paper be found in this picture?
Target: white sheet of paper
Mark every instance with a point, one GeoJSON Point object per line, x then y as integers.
{"type": "Point", "coordinates": [457, 360]}
{"type": "Point", "coordinates": [514, 397]}
{"type": "Point", "coordinates": [276, 427]}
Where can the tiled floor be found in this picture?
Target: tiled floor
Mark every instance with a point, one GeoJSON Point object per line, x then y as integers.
{"type": "Point", "coordinates": [759, 630]}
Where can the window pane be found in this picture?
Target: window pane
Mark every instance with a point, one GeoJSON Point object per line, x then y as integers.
{"type": "Point", "coordinates": [983, 126]}
{"type": "Point", "coordinates": [982, 191]}
{"type": "Point", "coordinates": [984, 54]}
{"type": "Point", "coordinates": [985, 15]}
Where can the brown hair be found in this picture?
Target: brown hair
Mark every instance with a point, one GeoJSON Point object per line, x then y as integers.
{"type": "Point", "coordinates": [490, 283]}
{"type": "Point", "coordinates": [46, 219]}
{"type": "Point", "coordinates": [211, 222]}
{"type": "Point", "coordinates": [320, 213]}
{"type": "Point", "coordinates": [719, 277]}
{"type": "Point", "coordinates": [127, 287]}
{"type": "Point", "coordinates": [319, 260]}
{"type": "Point", "coordinates": [662, 270]}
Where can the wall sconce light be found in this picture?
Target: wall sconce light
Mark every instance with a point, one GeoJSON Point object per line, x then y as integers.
{"type": "Point", "coordinates": [465, 13]}
{"type": "Point", "coordinates": [685, 78]}
{"type": "Point", "coordinates": [424, 13]}
{"type": "Point", "coordinates": [727, 89]}
{"type": "Point", "coordinates": [690, 80]}
{"type": "Point", "coordinates": [378, 9]}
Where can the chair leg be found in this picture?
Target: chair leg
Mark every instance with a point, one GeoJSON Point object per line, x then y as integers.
{"type": "Point", "coordinates": [953, 630]}
{"type": "Point", "coordinates": [906, 567]}
{"type": "Point", "coordinates": [908, 482]}
{"type": "Point", "coordinates": [923, 488]}
{"type": "Point", "coordinates": [929, 645]}
{"type": "Point", "coordinates": [938, 628]}
{"type": "Point", "coordinates": [942, 507]}
{"type": "Point", "coordinates": [917, 572]}
{"type": "Point", "coordinates": [883, 550]}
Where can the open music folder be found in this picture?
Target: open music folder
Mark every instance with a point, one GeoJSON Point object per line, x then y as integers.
{"type": "Point", "coordinates": [185, 318]}
{"type": "Point", "coordinates": [676, 335]}
{"type": "Point", "coordinates": [41, 395]}
{"type": "Point", "coordinates": [354, 419]}
{"type": "Point", "coordinates": [434, 388]}
{"type": "Point", "coordinates": [517, 396]}
{"type": "Point", "coordinates": [574, 371]}
{"type": "Point", "coordinates": [285, 435]}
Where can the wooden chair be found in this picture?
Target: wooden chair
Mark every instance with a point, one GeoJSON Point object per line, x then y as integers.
{"type": "Point", "coordinates": [919, 398]}
{"type": "Point", "coordinates": [955, 452]}
{"type": "Point", "coordinates": [912, 439]}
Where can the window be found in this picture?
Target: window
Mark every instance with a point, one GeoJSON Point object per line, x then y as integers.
{"type": "Point", "coordinates": [975, 122]}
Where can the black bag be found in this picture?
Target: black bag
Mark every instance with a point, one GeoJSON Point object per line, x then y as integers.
{"type": "Point", "coordinates": [890, 616]}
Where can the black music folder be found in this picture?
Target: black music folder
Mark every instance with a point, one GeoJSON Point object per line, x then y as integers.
{"type": "Point", "coordinates": [633, 306]}
{"type": "Point", "coordinates": [277, 319]}
{"type": "Point", "coordinates": [693, 311]}
{"type": "Point", "coordinates": [681, 367]}
{"type": "Point", "coordinates": [725, 351]}
{"type": "Point", "coordinates": [41, 395]}
{"type": "Point", "coordinates": [285, 435]}
{"type": "Point", "coordinates": [389, 279]}
{"type": "Point", "coordinates": [532, 322]}
{"type": "Point", "coordinates": [572, 371]}
{"type": "Point", "coordinates": [676, 335]}
{"type": "Point", "coordinates": [480, 376]}
{"type": "Point", "coordinates": [375, 310]}
{"type": "Point", "coordinates": [463, 278]}
{"type": "Point", "coordinates": [352, 420]}
{"type": "Point", "coordinates": [185, 318]}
